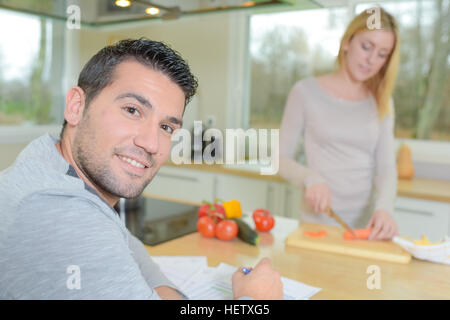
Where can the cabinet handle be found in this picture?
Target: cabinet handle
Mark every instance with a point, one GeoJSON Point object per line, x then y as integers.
{"type": "Point", "coordinates": [421, 212]}
{"type": "Point", "coordinates": [174, 176]}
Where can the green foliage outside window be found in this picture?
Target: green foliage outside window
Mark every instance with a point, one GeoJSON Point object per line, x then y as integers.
{"type": "Point", "coordinates": [28, 71]}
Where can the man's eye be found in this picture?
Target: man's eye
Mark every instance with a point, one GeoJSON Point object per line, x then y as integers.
{"type": "Point", "coordinates": [132, 110]}
{"type": "Point", "coordinates": [167, 128]}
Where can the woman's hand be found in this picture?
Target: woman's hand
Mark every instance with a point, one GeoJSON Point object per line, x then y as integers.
{"type": "Point", "coordinates": [318, 197]}
{"type": "Point", "coordinates": [383, 226]}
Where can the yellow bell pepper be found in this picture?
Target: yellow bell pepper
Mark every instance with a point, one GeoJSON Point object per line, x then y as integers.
{"type": "Point", "coordinates": [232, 209]}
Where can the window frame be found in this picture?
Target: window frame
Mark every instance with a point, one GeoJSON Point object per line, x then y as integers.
{"type": "Point", "coordinates": [23, 133]}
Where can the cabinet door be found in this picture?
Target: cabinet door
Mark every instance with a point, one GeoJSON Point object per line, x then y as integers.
{"type": "Point", "coordinates": [422, 217]}
{"type": "Point", "coordinates": [252, 193]}
{"type": "Point", "coordinates": [276, 203]}
{"type": "Point", "coordinates": [292, 197]}
{"type": "Point", "coordinates": [182, 184]}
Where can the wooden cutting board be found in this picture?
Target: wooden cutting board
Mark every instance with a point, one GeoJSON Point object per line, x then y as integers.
{"type": "Point", "coordinates": [334, 242]}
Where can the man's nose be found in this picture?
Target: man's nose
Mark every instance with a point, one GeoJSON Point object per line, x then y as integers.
{"type": "Point", "coordinates": [147, 137]}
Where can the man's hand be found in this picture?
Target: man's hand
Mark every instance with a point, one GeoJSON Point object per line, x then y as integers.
{"type": "Point", "coordinates": [262, 283]}
{"type": "Point", "coordinates": [318, 197]}
{"type": "Point", "coordinates": [168, 293]}
{"type": "Point", "coordinates": [383, 226]}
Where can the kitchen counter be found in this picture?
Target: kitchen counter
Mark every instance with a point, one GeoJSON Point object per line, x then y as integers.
{"type": "Point", "coordinates": [339, 276]}
{"type": "Point", "coordinates": [419, 188]}
{"type": "Point", "coordinates": [245, 170]}
{"type": "Point", "coordinates": [427, 189]}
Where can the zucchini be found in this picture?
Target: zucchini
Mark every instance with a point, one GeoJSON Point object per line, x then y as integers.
{"type": "Point", "coordinates": [246, 233]}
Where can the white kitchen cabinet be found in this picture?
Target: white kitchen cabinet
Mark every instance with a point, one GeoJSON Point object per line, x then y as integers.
{"type": "Point", "coordinates": [417, 217]}
{"type": "Point", "coordinates": [182, 184]}
{"type": "Point", "coordinates": [190, 185]}
{"type": "Point", "coordinates": [276, 203]}
{"type": "Point", "coordinates": [292, 199]}
{"type": "Point", "coordinates": [252, 193]}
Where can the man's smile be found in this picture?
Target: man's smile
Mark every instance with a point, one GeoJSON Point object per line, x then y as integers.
{"type": "Point", "coordinates": [133, 165]}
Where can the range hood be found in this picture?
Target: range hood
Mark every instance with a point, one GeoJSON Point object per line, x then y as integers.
{"type": "Point", "coordinates": [107, 12]}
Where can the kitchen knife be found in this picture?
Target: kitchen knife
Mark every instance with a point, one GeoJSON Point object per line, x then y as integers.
{"type": "Point", "coordinates": [332, 214]}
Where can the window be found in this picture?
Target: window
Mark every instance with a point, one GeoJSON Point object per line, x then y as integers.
{"type": "Point", "coordinates": [422, 94]}
{"type": "Point", "coordinates": [31, 60]}
{"type": "Point", "coordinates": [286, 47]}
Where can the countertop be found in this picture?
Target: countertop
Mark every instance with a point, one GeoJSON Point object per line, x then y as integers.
{"type": "Point", "coordinates": [339, 276]}
{"type": "Point", "coordinates": [419, 188]}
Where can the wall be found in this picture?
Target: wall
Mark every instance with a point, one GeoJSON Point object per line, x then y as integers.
{"type": "Point", "coordinates": [202, 40]}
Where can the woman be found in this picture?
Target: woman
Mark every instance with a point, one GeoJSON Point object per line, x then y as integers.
{"type": "Point", "coordinates": [345, 120]}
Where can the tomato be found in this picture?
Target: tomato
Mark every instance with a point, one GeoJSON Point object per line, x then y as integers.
{"type": "Point", "coordinates": [264, 221]}
{"type": "Point", "coordinates": [215, 211]}
{"type": "Point", "coordinates": [206, 227]}
{"type": "Point", "coordinates": [226, 230]}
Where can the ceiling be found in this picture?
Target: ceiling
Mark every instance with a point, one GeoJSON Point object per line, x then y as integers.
{"type": "Point", "coordinates": [106, 12]}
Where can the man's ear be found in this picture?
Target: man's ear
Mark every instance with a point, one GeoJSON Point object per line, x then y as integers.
{"type": "Point", "coordinates": [75, 103]}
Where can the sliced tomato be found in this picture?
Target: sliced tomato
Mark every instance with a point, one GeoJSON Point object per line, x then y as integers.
{"type": "Point", "coordinates": [360, 233]}
{"type": "Point", "coordinates": [315, 234]}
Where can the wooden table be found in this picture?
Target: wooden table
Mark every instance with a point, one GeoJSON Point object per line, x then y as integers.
{"type": "Point", "coordinates": [340, 277]}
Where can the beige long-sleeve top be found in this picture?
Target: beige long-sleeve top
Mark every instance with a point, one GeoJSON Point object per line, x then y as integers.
{"type": "Point", "coordinates": [346, 146]}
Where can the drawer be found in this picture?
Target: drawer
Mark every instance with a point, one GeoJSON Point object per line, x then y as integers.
{"type": "Point", "coordinates": [182, 184]}
{"type": "Point", "coordinates": [416, 217]}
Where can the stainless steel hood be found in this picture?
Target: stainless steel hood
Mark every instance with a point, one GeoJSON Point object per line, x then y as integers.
{"type": "Point", "coordinates": [107, 12]}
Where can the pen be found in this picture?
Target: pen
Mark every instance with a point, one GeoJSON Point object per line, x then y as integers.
{"type": "Point", "coordinates": [246, 270]}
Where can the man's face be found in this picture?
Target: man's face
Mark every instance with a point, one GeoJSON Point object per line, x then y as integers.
{"type": "Point", "coordinates": [125, 134]}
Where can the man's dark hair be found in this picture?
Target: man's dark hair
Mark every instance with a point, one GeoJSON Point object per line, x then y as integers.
{"type": "Point", "coordinates": [98, 72]}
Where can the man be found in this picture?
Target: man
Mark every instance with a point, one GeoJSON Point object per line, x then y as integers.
{"type": "Point", "coordinates": [60, 237]}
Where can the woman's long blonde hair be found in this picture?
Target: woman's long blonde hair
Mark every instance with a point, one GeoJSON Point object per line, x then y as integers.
{"type": "Point", "coordinates": [382, 84]}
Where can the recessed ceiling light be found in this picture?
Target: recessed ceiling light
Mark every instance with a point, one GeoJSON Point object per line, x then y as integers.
{"type": "Point", "coordinates": [123, 3]}
{"type": "Point", "coordinates": [152, 11]}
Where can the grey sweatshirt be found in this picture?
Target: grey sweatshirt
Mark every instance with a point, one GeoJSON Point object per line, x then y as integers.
{"type": "Point", "coordinates": [346, 146]}
{"type": "Point", "coordinates": [60, 240]}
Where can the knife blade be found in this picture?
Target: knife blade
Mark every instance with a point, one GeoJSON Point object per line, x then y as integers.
{"type": "Point", "coordinates": [332, 214]}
